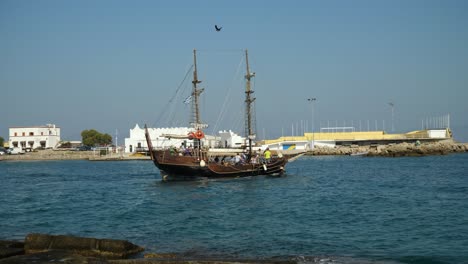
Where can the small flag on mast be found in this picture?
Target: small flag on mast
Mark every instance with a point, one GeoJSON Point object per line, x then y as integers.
{"type": "Point", "coordinates": [188, 100]}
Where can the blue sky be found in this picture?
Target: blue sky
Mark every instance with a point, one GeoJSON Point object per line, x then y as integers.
{"type": "Point", "coordinates": [108, 65]}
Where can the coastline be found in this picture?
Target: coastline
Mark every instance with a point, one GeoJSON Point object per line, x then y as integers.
{"type": "Point", "coordinates": [394, 150]}
{"type": "Point", "coordinates": [390, 150]}
{"type": "Point", "coordinates": [50, 154]}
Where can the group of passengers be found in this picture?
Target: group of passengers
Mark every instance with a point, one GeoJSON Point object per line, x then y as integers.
{"type": "Point", "coordinates": [186, 151]}
{"type": "Point", "coordinates": [239, 158]}
{"type": "Point", "coordinates": [182, 150]}
{"type": "Point", "coordinates": [242, 158]}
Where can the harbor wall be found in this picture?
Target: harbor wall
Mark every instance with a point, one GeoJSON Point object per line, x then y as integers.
{"type": "Point", "coordinates": [394, 150]}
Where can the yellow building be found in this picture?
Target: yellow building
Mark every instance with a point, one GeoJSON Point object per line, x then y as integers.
{"type": "Point", "coordinates": [332, 139]}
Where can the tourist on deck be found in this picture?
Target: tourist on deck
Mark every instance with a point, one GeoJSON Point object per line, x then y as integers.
{"type": "Point", "coordinates": [254, 158]}
{"type": "Point", "coordinates": [172, 150]}
{"type": "Point", "coordinates": [267, 155]}
{"type": "Point", "coordinates": [243, 158]}
{"type": "Point", "coordinates": [237, 159]}
{"type": "Point", "coordinates": [188, 151]}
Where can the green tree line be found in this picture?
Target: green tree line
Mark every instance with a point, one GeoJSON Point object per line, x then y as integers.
{"type": "Point", "coordinates": [93, 138]}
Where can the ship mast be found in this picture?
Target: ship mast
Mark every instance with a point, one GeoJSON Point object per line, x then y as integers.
{"type": "Point", "coordinates": [196, 123]}
{"type": "Point", "coordinates": [249, 129]}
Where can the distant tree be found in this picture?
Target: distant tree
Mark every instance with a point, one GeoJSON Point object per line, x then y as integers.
{"type": "Point", "coordinates": [93, 138]}
{"type": "Point", "coordinates": [2, 141]}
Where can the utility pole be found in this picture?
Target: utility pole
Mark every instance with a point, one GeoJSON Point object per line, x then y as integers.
{"type": "Point", "coordinates": [392, 105]}
{"type": "Point", "coordinates": [116, 141]}
{"type": "Point", "coordinates": [116, 138]}
{"type": "Point", "coordinates": [312, 100]}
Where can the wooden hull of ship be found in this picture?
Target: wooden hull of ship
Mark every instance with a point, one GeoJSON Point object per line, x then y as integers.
{"type": "Point", "coordinates": [175, 167]}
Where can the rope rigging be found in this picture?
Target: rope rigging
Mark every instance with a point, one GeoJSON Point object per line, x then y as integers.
{"type": "Point", "coordinates": [171, 104]}
{"type": "Point", "coordinates": [224, 108]}
{"type": "Point", "coordinates": [229, 115]}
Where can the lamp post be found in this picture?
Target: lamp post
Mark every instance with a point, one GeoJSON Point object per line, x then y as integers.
{"type": "Point", "coordinates": [392, 105]}
{"type": "Point", "coordinates": [312, 100]}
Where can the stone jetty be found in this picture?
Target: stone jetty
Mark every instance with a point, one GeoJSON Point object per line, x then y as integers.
{"type": "Point", "coordinates": [395, 150]}
{"type": "Point", "coordinates": [44, 248]}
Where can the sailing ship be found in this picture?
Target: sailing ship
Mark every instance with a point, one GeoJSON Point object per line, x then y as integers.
{"type": "Point", "coordinates": [205, 163]}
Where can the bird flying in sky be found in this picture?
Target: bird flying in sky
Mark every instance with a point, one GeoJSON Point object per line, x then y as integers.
{"type": "Point", "coordinates": [218, 28]}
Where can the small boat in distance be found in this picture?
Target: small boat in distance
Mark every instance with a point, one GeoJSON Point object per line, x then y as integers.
{"type": "Point", "coordinates": [205, 163]}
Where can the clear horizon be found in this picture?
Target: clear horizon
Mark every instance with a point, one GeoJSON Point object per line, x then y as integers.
{"type": "Point", "coordinates": [109, 65]}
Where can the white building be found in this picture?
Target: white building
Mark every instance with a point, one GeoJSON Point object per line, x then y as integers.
{"type": "Point", "coordinates": [161, 138]}
{"type": "Point", "coordinates": [230, 139]}
{"type": "Point", "coordinates": [137, 141]}
{"type": "Point", "coordinates": [47, 136]}
{"type": "Point", "coordinates": [438, 133]}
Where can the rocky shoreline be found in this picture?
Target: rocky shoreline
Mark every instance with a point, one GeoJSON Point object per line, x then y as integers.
{"type": "Point", "coordinates": [50, 154]}
{"type": "Point", "coordinates": [394, 150]}
{"type": "Point", "coordinates": [44, 248]}
{"type": "Point", "coordinates": [390, 150]}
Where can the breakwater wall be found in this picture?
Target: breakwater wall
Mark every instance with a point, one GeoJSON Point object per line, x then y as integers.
{"type": "Point", "coordinates": [395, 150]}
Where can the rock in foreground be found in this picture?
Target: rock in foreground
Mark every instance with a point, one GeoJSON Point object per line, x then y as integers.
{"type": "Point", "coordinates": [107, 248]}
{"type": "Point", "coordinates": [11, 248]}
{"type": "Point", "coordinates": [55, 256]}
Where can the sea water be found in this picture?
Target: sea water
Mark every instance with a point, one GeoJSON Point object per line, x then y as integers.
{"type": "Point", "coordinates": [329, 209]}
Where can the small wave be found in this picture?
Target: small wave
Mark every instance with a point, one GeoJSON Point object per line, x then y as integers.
{"type": "Point", "coordinates": [38, 174]}
{"type": "Point", "coordinates": [430, 260]}
{"type": "Point", "coordinates": [340, 260]}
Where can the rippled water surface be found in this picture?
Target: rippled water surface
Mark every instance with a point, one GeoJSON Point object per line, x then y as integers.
{"type": "Point", "coordinates": [335, 209]}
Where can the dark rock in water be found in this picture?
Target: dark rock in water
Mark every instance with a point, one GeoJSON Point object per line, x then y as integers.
{"type": "Point", "coordinates": [57, 256]}
{"type": "Point", "coordinates": [11, 248]}
{"type": "Point", "coordinates": [108, 248]}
